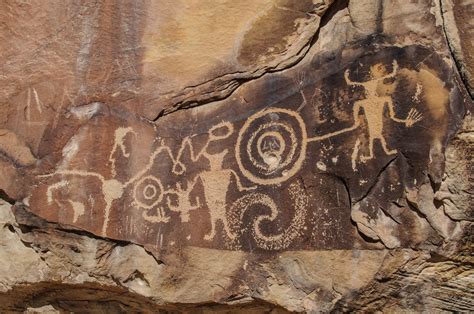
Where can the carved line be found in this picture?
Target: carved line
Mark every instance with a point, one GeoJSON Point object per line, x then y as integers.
{"type": "Point", "coordinates": [287, 173]}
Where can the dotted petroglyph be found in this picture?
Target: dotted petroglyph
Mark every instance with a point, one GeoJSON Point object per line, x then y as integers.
{"type": "Point", "coordinates": [235, 185]}
{"type": "Point", "coordinates": [253, 201]}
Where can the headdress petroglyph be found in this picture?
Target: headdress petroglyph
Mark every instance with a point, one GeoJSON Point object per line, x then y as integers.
{"type": "Point", "coordinates": [270, 149]}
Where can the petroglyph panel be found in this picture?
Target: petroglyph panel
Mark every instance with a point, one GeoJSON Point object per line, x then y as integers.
{"type": "Point", "coordinates": [318, 157]}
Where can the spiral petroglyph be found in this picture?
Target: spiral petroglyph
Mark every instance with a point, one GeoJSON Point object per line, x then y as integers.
{"type": "Point", "coordinates": [260, 201]}
{"type": "Point", "coordinates": [242, 178]}
{"type": "Point", "coordinates": [271, 146]}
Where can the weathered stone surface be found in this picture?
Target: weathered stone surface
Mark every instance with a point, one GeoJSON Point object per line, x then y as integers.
{"type": "Point", "coordinates": [242, 177]}
{"type": "Point", "coordinates": [323, 162]}
{"type": "Point", "coordinates": [458, 21]}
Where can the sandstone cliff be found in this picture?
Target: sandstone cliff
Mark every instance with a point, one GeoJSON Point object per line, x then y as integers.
{"type": "Point", "coordinates": [226, 156]}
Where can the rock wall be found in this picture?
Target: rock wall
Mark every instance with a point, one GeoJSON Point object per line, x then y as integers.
{"type": "Point", "coordinates": [257, 156]}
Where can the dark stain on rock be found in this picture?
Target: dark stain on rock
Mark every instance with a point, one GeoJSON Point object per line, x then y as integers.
{"type": "Point", "coordinates": [112, 61]}
{"type": "Point", "coordinates": [308, 152]}
{"type": "Point", "coordinates": [463, 16]}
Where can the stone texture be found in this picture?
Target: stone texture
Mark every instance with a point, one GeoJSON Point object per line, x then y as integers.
{"type": "Point", "coordinates": [459, 24]}
{"type": "Point", "coordinates": [323, 162]}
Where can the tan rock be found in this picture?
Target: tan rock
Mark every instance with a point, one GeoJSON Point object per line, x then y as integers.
{"type": "Point", "coordinates": [322, 162]}
{"type": "Point", "coordinates": [458, 22]}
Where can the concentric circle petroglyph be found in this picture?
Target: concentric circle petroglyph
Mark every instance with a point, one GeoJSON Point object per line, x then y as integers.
{"type": "Point", "coordinates": [271, 146]}
{"type": "Point", "coordinates": [148, 192]}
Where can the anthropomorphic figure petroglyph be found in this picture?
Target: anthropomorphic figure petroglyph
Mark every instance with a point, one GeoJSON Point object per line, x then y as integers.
{"type": "Point", "coordinates": [216, 182]}
{"type": "Point", "coordinates": [271, 162]}
{"type": "Point", "coordinates": [119, 139]}
{"type": "Point", "coordinates": [184, 205]}
{"type": "Point", "coordinates": [373, 106]}
{"type": "Point", "coordinates": [178, 168]}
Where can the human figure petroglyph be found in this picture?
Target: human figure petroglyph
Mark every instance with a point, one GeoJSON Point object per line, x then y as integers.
{"type": "Point", "coordinates": [373, 107]}
{"type": "Point", "coordinates": [119, 139]}
{"type": "Point", "coordinates": [270, 149]}
{"type": "Point", "coordinates": [184, 205]}
{"type": "Point", "coordinates": [216, 182]}
{"type": "Point", "coordinates": [148, 192]}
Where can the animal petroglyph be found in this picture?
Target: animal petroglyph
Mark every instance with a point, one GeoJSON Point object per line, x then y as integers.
{"type": "Point", "coordinates": [270, 148]}
{"type": "Point", "coordinates": [77, 207]}
{"type": "Point", "coordinates": [111, 189]}
{"type": "Point", "coordinates": [148, 191]}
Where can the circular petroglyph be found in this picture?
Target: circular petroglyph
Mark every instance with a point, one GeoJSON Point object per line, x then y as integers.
{"type": "Point", "coordinates": [221, 131]}
{"type": "Point", "coordinates": [271, 146]}
{"type": "Point", "coordinates": [148, 192]}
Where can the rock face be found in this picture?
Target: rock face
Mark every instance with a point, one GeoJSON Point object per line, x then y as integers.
{"type": "Point", "coordinates": [261, 156]}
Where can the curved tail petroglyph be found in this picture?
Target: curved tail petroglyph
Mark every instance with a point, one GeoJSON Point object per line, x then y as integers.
{"type": "Point", "coordinates": [270, 149]}
{"type": "Point", "coordinates": [261, 201]}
